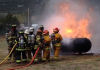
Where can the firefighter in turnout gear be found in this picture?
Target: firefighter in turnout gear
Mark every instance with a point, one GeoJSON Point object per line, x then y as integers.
{"type": "Point", "coordinates": [30, 47]}
{"type": "Point", "coordinates": [21, 48]}
{"type": "Point", "coordinates": [46, 47]}
{"type": "Point", "coordinates": [12, 35]}
{"type": "Point", "coordinates": [56, 42]}
{"type": "Point", "coordinates": [38, 43]}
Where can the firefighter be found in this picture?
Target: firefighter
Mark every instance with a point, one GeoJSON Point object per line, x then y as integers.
{"type": "Point", "coordinates": [38, 44]}
{"type": "Point", "coordinates": [46, 47]}
{"type": "Point", "coordinates": [28, 54]}
{"type": "Point", "coordinates": [56, 42]}
{"type": "Point", "coordinates": [30, 47]}
{"type": "Point", "coordinates": [12, 35]}
{"type": "Point", "coordinates": [21, 48]}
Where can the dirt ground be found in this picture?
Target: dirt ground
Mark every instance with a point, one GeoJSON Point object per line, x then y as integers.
{"type": "Point", "coordinates": [68, 62]}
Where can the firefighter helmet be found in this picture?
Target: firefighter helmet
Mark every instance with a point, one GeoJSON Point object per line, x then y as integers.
{"type": "Point", "coordinates": [41, 27]}
{"type": "Point", "coordinates": [56, 30]}
{"type": "Point", "coordinates": [39, 31]}
{"type": "Point", "coordinates": [26, 31]}
{"type": "Point", "coordinates": [45, 32]}
{"type": "Point", "coordinates": [31, 29]}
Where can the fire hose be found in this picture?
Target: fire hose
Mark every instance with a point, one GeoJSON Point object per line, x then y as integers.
{"type": "Point", "coordinates": [19, 67]}
{"type": "Point", "coordinates": [4, 60]}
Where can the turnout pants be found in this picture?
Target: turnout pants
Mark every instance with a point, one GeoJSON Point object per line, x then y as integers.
{"type": "Point", "coordinates": [46, 54]}
{"type": "Point", "coordinates": [28, 52]}
{"type": "Point", "coordinates": [56, 51]}
{"type": "Point", "coordinates": [33, 51]}
{"type": "Point", "coordinates": [29, 56]}
{"type": "Point", "coordinates": [18, 56]}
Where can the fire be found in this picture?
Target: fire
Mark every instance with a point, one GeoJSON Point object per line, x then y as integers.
{"type": "Point", "coordinates": [70, 23]}
{"type": "Point", "coordinates": [73, 27]}
{"type": "Point", "coordinates": [68, 31]}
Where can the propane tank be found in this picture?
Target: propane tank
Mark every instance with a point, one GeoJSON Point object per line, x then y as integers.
{"type": "Point", "coordinates": [21, 41]}
{"type": "Point", "coordinates": [81, 45]}
{"type": "Point", "coordinates": [77, 45]}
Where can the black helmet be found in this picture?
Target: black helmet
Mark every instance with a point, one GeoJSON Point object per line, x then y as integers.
{"type": "Point", "coordinates": [41, 27]}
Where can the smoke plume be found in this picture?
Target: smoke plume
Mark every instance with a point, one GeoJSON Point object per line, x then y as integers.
{"type": "Point", "coordinates": [74, 18]}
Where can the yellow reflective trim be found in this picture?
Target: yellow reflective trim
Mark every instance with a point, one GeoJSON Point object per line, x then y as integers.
{"type": "Point", "coordinates": [56, 57]}
{"type": "Point", "coordinates": [24, 59]}
{"type": "Point", "coordinates": [29, 59]}
{"type": "Point", "coordinates": [19, 42]}
{"type": "Point", "coordinates": [35, 60]}
{"type": "Point", "coordinates": [20, 49]}
{"type": "Point", "coordinates": [36, 46]}
{"type": "Point", "coordinates": [57, 44]}
{"type": "Point", "coordinates": [18, 61]}
{"type": "Point", "coordinates": [47, 48]}
{"type": "Point", "coordinates": [44, 59]}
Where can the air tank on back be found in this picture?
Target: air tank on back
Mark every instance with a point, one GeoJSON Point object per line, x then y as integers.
{"type": "Point", "coordinates": [76, 45]}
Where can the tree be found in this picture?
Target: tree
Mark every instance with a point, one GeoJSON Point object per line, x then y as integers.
{"type": "Point", "coordinates": [5, 23]}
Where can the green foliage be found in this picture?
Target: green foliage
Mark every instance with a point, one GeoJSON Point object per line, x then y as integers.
{"type": "Point", "coordinates": [6, 22]}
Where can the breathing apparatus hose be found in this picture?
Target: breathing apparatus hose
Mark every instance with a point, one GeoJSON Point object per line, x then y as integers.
{"type": "Point", "coordinates": [19, 67]}
{"type": "Point", "coordinates": [4, 60]}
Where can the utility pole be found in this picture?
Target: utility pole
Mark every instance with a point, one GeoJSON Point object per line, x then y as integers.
{"type": "Point", "coordinates": [28, 16]}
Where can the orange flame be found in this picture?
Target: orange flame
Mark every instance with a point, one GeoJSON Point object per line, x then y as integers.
{"type": "Point", "coordinates": [70, 25]}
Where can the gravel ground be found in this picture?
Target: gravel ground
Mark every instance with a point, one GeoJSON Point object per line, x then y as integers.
{"type": "Point", "coordinates": [68, 62]}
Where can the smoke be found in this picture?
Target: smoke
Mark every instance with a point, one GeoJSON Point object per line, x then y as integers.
{"type": "Point", "coordinates": [77, 11]}
{"type": "Point", "coordinates": [95, 27]}
{"type": "Point", "coordinates": [54, 17]}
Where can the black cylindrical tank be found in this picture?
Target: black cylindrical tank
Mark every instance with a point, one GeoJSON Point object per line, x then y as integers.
{"type": "Point", "coordinates": [77, 45]}
{"type": "Point", "coordinates": [81, 45]}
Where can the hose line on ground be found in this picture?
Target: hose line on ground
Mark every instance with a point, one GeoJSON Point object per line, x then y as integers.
{"type": "Point", "coordinates": [19, 67]}
{"type": "Point", "coordinates": [8, 54]}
